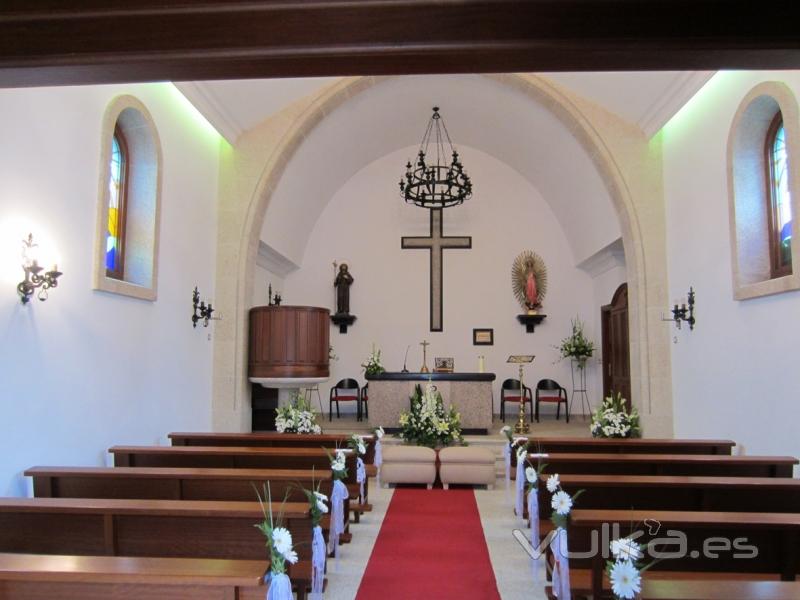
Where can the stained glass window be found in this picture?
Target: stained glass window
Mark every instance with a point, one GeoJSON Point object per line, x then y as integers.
{"type": "Point", "coordinates": [780, 200]}
{"type": "Point", "coordinates": [115, 231]}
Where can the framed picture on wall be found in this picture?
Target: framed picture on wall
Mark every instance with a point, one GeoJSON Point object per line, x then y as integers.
{"type": "Point", "coordinates": [442, 364]}
{"type": "Point", "coordinates": [483, 337]}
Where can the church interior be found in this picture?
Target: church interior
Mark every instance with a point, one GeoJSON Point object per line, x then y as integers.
{"type": "Point", "coordinates": [651, 195]}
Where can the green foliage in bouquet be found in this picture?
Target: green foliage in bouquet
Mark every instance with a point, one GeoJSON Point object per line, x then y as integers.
{"type": "Point", "coordinates": [612, 419]}
{"type": "Point", "coordinates": [576, 346]}
{"type": "Point", "coordinates": [428, 423]}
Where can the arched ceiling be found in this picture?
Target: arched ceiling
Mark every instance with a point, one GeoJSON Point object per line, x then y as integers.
{"type": "Point", "coordinates": [480, 113]}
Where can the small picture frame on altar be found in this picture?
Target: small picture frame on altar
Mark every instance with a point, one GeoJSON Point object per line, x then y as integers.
{"type": "Point", "coordinates": [442, 364]}
{"type": "Point", "coordinates": [483, 337]}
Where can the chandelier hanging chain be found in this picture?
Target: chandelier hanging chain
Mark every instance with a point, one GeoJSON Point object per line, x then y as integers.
{"type": "Point", "coordinates": [436, 185]}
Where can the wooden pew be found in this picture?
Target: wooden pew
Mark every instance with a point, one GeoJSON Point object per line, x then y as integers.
{"type": "Point", "coordinates": [237, 457]}
{"type": "Point", "coordinates": [645, 492]}
{"type": "Point", "coordinates": [157, 528]}
{"type": "Point", "coordinates": [668, 464]}
{"type": "Point", "coordinates": [582, 445]}
{"type": "Point", "coordinates": [272, 439]}
{"type": "Point", "coordinates": [775, 536]}
{"type": "Point", "coordinates": [175, 483]}
{"type": "Point", "coordinates": [48, 577]}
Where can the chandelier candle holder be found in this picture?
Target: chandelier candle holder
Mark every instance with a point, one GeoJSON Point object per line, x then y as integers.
{"type": "Point", "coordinates": [431, 182]}
{"type": "Point", "coordinates": [521, 360]}
{"type": "Point", "coordinates": [34, 279]}
{"type": "Point", "coordinates": [200, 311]}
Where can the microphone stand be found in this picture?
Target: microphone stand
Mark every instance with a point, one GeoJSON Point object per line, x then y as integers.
{"type": "Point", "coordinates": [405, 370]}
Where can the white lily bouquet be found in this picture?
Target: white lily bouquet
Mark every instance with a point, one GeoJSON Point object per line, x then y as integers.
{"type": "Point", "coordinates": [612, 419]}
{"type": "Point", "coordinates": [576, 346]}
{"type": "Point", "coordinates": [317, 507]}
{"type": "Point", "coordinates": [279, 545]}
{"type": "Point", "coordinates": [428, 423]}
{"type": "Point", "coordinates": [373, 365]}
{"type": "Point", "coordinates": [297, 417]}
{"type": "Point", "coordinates": [625, 571]}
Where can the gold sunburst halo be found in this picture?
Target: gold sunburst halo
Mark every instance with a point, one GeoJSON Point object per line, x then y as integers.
{"type": "Point", "coordinates": [528, 260]}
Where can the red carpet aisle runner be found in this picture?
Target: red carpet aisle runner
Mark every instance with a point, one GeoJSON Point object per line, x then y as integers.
{"type": "Point", "coordinates": [430, 545]}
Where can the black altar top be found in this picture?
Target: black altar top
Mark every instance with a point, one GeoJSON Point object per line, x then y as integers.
{"type": "Point", "coordinates": [392, 376]}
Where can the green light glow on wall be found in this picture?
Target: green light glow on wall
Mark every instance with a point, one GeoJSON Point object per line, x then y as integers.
{"type": "Point", "coordinates": [194, 116]}
{"type": "Point", "coordinates": [702, 102]}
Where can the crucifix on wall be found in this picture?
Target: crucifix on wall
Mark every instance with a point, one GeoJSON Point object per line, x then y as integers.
{"type": "Point", "coordinates": [436, 243]}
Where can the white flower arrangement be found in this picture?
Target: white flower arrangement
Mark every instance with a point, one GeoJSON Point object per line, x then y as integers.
{"type": "Point", "coordinates": [561, 502]}
{"type": "Point", "coordinates": [379, 432]}
{"type": "Point", "coordinates": [373, 365]}
{"type": "Point", "coordinates": [428, 423]}
{"type": "Point", "coordinates": [612, 419]}
{"type": "Point", "coordinates": [279, 539]}
{"type": "Point", "coordinates": [356, 442]}
{"type": "Point", "coordinates": [624, 571]}
{"type": "Point", "coordinates": [297, 417]}
{"type": "Point", "coordinates": [576, 346]}
{"type": "Point", "coordinates": [338, 465]}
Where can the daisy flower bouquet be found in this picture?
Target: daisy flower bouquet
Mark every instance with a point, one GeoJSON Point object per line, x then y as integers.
{"type": "Point", "coordinates": [296, 417]}
{"type": "Point", "coordinates": [612, 419]}
{"type": "Point", "coordinates": [428, 423]}
{"type": "Point", "coordinates": [279, 546]}
{"type": "Point", "coordinates": [625, 570]}
{"type": "Point", "coordinates": [338, 496]}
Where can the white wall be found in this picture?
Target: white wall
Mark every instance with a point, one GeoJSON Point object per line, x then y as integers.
{"type": "Point", "coordinates": [87, 369]}
{"type": "Point", "coordinates": [735, 376]}
{"type": "Point", "coordinates": [362, 225]}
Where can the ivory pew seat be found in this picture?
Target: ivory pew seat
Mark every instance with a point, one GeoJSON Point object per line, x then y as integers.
{"type": "Point", "coordinates": [48, 577]}
{"type": "Point", "coordinates": [668, 464]}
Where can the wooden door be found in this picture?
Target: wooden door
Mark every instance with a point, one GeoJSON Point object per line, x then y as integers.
{"type": "Point", "coordinates": [616, 348]}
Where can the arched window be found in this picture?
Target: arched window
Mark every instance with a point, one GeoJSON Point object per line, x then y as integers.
{"type": "Point", "coordinates": [119, 169]}
{"type": "Point", "coordinates": [763, 191]}
{"type": "Point", "coordinates": [779, 209]}
{"type": "Point", "coordinates": [128, 208]}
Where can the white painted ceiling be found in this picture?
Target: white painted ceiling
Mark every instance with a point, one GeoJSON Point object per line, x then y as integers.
{"type": "Point", "coordinates": [645, 99]}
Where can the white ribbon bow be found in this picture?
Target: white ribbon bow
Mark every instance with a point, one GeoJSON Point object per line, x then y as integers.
{"type": "Point", "coordinates": [318, 553]}
{"type": "Point", "coordinates": [533, 515]}
{"type": "Point", "coordinates": [361, 477]}
{"type": "Point", "coordinates": [338, 496]}
{"type": "Point", "coordinates": [280, 587]}
{"type": "Point", "coordinates": [561, 587]}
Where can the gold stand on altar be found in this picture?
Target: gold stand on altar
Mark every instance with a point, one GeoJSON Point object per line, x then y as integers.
{"type": "Point", "coordinates": [521, 360]}
{"type": "Point", "coordinates": [424, 344]}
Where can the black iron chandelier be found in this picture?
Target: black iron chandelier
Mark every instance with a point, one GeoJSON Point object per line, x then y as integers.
{"type": "Point", "coordinates": [437, 185]}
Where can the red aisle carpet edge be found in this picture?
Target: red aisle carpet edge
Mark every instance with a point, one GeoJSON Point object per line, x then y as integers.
{"type": "Point", "coordinates": [430, 545]}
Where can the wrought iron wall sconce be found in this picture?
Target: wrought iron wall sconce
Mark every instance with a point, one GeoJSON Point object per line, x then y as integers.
{"type": "Point", "coordinates": [201, 311]}
{"type": "Point", "coordinates": [685, 312]}
{"type": "Point", "coordinates": [34, 279]}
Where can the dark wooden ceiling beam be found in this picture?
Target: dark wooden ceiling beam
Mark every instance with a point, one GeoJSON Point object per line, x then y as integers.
{"type": "Point", "coordinates": [102, 41]}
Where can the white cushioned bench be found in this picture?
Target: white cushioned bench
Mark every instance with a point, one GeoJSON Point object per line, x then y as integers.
{"type": "Point", "coordinates": [408, 464]}
{"type": "Point", "coordinates": [467, 464]}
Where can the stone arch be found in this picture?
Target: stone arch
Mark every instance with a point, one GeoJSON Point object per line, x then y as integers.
{"type": "Point", "coordinates": [238, 257]}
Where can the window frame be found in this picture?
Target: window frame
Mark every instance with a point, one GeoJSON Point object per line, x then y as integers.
{"type": "Point", "coordinates": [773, 231]}
{"type": "Point", "coordinates": [122, 201]}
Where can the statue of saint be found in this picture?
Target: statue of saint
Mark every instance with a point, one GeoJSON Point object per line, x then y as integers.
{"type": "Point", "coordinates": [342, 284]}
{"type": "Point", "coordinates": [531, 293]}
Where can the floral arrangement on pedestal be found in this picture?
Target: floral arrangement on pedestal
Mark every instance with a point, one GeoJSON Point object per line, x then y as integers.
{"type": "Point", "coordinates": [373, 365]}
{"type": "Point", "coordinates": [612, 419]}
{"type": "Point", "coordinates": [576, 346]}
{"type": "Point", "coordinates": [279, 545]}
{"type": "Point", "coordinates": [296, 417]}
{"type": "Point", "coordinates": [428, 423]}
{"type": "Point", "coordinates": [317, 507]}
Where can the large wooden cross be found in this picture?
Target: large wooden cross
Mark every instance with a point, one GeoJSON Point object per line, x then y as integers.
{"type": "Point", "coordinates": [436, 243]}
